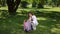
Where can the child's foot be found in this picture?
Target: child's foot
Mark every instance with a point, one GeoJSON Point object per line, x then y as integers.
{"type": "Point", "coordinates": [29, 31]}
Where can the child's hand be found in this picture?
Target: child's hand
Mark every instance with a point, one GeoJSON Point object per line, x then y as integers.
{"type": "Point", "coordinates": [25, 20]}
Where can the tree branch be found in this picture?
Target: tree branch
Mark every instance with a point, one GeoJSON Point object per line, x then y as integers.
{"type": "Point", "coordinates": [17, 2]}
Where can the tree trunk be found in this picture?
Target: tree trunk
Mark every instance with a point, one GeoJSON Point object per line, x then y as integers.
{"type": "Point", "coordinates": [13, 6]}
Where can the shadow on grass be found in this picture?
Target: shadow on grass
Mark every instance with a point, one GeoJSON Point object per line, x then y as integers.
{"type": "Point", "coordinates": [14, 24]}
{"type": "Point", "coordinates": [5, 31]}
{"type": "Point", "coordinates": [49, 14]}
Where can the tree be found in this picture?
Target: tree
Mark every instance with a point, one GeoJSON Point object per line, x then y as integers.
{"type": "Point", "coordinates": [3, 2]}
{"type": "Point", "coordinates": [34, 3]}
{"type": "Point", "coordinates": [13, 6]}
{"type": "Point", "coordinates": [0, 2]}
{"type": "Point", "coordinates": [40, 4]}
{"type": "Point", "coordinates": [24, 4]}
{"type": "Point", "coordinates": [58, 3]}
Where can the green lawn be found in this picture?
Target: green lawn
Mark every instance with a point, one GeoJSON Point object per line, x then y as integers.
{"type": "Point", "coordinates": [48, 18]}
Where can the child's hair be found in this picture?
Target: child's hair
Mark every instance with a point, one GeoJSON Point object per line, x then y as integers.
{"type": "Point", "coordinates": [30, 13]}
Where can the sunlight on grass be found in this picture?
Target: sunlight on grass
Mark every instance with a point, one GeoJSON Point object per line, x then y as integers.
{"type": "Point", "coordinates": [51, 9]}
{"type": "Point", "coordinates": [45, 6]}
{"type": "Point", "coordinates": [58, 26]}
{"type": "Point", "coordinates": [4, 8]}
{"type": "Point", "coordinates": [55, 30]}
{"type": "Point", "coordinates": [19, 14]}
{"type": "Point", "coordinates": [14, 24]}
{"type": "Point", "coordinates": [41, 26]}
{"type": "Point", "coordinates": [53, 19]}
{"type": "Point", "coordinates": [41, 18]}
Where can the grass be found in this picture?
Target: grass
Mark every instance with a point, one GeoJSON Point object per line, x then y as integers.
{"type": "Point", "coordinates": [49, 21]}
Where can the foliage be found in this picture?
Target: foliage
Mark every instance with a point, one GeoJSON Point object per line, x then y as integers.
{"type": "Point", "coordinates": [24, 4]}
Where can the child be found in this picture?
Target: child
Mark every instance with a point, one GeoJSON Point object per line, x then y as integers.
{"type": "Point", "coordinates": [27, 26]}
{"type": "Point", "coordinates": [34, 21]}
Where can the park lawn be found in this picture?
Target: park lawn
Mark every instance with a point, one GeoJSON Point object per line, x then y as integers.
{"type": "Point", "coordinates": [49, 22]}
{"type": "Point", "coordinates": [46, 8]}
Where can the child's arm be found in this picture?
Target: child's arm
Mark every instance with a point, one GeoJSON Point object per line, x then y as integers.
{"type": "Point", "coordinates": [24, 24]}
{"type": "Point", "coordinates": [33, 19]}
{"type": "Point", "coordinates": [25, 20]}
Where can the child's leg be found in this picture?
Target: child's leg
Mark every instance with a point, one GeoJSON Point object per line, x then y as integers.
{"type": "Point", "coordinates": [26, 30]}
{"type": "Point", "coordinates": [27, 27]}
{"type": "Point", "coordinates": [34, 26]}
{"type": "Point", "coordinates": [31, 27]}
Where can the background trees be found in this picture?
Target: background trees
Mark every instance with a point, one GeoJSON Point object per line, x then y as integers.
{"type": "Point", "coordinates": [12, 6]}
{"type": "Point", "coordinates": [24, 4]}
{"type": "Point", "coordinates": [3, 2]}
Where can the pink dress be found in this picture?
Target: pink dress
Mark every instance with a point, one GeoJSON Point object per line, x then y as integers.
{"type": "Point", "coordinates": [27, 26]}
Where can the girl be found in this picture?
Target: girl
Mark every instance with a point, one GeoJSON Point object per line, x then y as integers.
{"type": "Point", "coordinates": [34, 21]}
{"type": "Point", "coordinates": [27, 25]}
